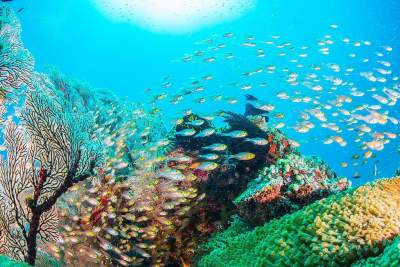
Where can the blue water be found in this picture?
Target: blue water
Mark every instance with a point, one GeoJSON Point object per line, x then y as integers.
{"type": "Point", "coordinates": [75, 37]}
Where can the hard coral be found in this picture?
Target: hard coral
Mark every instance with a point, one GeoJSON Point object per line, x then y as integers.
{"type": "Point", "coordinates": [268, 194]}
{"type": "Point", "coordinates": [293, 182]}
{"type": "Point", "coordinates": [336, 231]}
{"type": "Point", "coordinates": [390, 257]}
{"type": "Point", "coordinates": [219, 239]}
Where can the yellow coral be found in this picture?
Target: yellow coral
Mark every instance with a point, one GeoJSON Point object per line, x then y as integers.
{"type": "Point", "coordinates": [336, 231]}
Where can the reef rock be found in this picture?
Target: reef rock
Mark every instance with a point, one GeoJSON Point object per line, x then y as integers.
{"type": "Point", "coordinates": [286, 186]}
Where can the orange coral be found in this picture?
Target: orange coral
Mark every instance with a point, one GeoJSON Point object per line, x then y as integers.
{"type": "Point", "coordinates": [268, 194]}
{"type": "Point", "coordinates": [303, 193]}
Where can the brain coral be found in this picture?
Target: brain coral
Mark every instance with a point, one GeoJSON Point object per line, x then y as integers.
{"type": "Point", "coordinates": [336, 231]}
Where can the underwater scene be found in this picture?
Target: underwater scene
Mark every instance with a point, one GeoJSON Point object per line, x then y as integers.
{"type": "Point", "coordinates": [199, 133]}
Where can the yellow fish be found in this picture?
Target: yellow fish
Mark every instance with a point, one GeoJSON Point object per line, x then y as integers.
{"type": "Point", "coordinates": [243, 156]}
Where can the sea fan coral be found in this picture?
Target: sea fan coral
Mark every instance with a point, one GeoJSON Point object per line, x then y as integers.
{"type": "Point", "coordinates": [338, 230]}
{"type": "Point", "coordinates": [16, 63]}
{"type": "Point", "coordinates": [47, 153]}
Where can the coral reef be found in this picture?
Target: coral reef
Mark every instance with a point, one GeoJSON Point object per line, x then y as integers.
{"type": "Point", "coordinates": [338, 230]}
{"type": "Point", "coordinates": [390, 257]}
{"type": "Point", "coordinates": [48, 152]}
{"type": "Point", "coordinates": [169, 210]}
{"type": "Point", "coordinates": [16, 63]}
{"type": "Point", "coordinates": [171, 206]}
{"type": "Point", "coordinates": [220, 239]}
{"type": "Point", "coordinates": [154, 199]}
{"type": "Point", "coordinates": [286, 186]}
{"type": "Point", "coordinates": [6, 262]}
{"type": "Point", "coordinates": [90, 180]}
{"type": "Point", "coordinates": [138, 222]}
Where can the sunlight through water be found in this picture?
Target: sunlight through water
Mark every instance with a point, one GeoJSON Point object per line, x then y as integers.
{"type": "Point", "coordinates": [174, 16]}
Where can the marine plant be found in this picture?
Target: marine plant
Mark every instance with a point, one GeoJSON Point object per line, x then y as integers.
{"type": "Point", "coordinates": [338, 230]}
{"type": "Point", "coordinates": [47, 152]}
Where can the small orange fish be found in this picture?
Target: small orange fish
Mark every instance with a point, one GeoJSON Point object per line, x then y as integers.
{"type": "Point", "coordinates": [194, 165]}
{"type": "Point", "coordinates": [184, 263]}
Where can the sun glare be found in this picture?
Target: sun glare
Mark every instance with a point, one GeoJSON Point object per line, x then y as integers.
{"type": "Point", "coordinates": [174, 16]}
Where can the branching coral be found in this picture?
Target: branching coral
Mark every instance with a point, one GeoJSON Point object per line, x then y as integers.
{"type": "Point", "coordinates": [336, 231]}
{"type": "Point", "coordinates": [47, 154]}
{"type": "Point", "coordinates": [288, 185]}
{"type": "Point", "coordinates": [16, 63]}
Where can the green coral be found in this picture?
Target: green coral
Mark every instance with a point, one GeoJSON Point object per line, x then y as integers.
{"type": "Point", "coordinates": [389, 258]}
{"type": "Point", "coordinates": [220, 239]}
{"type": "Point", "coordinates": [7, 262]}
{"type": "Point", "coordinates": [336, 231]}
